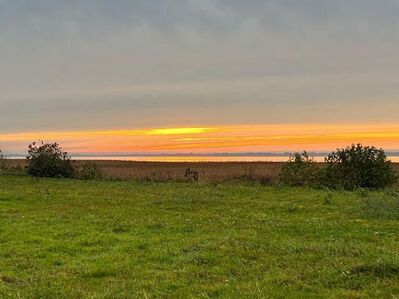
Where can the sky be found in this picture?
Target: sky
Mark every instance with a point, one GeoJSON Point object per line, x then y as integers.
{"type": "Point", "coordinates": [199, 75]}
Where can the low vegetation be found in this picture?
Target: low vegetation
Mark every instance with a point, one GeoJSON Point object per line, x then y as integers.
{"type": "Point", "coordinates": [102, 239]}
{"type": "Point", "coordinates": [300, 170]}
{"type": "Point", "coordinates": [88, 171]}
{"type": "Point", "coordinates": [6, 169]}
{"type": "Point", "coordinates": [3, 165]}
{"type": "Point", "coordinates": [349, 168]}
{"type": "Point", "coordinates": [48, 160]}
{"type": "Point", "coordinates": [358, 166]}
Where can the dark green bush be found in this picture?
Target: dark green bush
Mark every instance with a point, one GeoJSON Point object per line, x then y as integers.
{"type": "Point", "coordinates": [88, 171]}
{"type": "Point", "coordinates": [350, 168]}
{"type": "Point", "coordinates": [357, 166]}
{"type": "Point", "coordinates": [48, 160]}
{"type": "Point", "coordinates": [300, 170]}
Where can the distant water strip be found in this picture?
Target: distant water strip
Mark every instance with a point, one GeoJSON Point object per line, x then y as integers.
{"type": "Point", "coordinates": [203, 158]}
{"type": "Point", "coordinates": [197, 158]}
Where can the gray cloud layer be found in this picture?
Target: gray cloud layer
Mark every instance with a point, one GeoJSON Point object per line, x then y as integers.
{"type": "Point", "coordinates": [106, 64]}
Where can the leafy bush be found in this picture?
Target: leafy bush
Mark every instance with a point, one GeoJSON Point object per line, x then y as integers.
{"type": "Point", "coordinates": [88, 171]}
{"type": "Point", "coordinates": [353, 167]}
{"type": "Point", "coordinates": [300, 170]}
{"type": "Point", "coordinates": [48, 160]}
{"type": "Point", "coordinates": [357, 166]}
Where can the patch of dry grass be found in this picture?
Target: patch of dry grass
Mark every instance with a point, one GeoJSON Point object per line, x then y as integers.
{"type": "Point", "coordinates": [216, 172]}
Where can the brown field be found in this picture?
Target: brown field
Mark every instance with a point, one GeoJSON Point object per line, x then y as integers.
{"type": "Point", "coordinates": [208, 171]}
{"type": "Point", "coordinates": [265, 172]}
{"type": "Point", "coordinates": [174, 171]}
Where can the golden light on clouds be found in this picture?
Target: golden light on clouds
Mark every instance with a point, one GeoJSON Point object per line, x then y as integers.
{"type": "Point", "coordinates": [180, 131]}
{"type": "Point", "coordinates": [255, 138]}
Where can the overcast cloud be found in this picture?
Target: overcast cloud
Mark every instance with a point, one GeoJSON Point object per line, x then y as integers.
{"type": "Point", "coordinates": [130, 64]}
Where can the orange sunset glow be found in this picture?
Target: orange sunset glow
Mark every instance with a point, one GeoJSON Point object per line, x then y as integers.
{"type": "Point", "coordinates": [198, 76]}
{"type": "Point", "coordinates": [215, 139]}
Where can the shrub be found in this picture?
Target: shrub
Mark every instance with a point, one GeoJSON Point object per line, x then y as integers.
{"type": "Point", "coordinates": [3, 165]}
{"type": "Point", "coordinates": [48, 160]}
{"type": "Point", "coordinates": [358, 166]}
{"type": "Point", "coordinates": [8, 169]}
{"type": "Point", "coordinates": [300, 170]}
{"type": "Point", "coordinates": [88, 171]}
{"type": "Point", "coordinates": [15, 170]}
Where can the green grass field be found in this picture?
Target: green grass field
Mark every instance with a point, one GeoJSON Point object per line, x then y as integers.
{"type": "Point", "coordinates": [92, 239]}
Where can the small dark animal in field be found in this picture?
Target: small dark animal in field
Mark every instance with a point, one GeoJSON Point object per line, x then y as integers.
{"type": "Point", "coordinates": [191, 174]}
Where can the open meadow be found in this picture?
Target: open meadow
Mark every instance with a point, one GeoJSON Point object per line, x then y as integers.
{"type": "Point", "coordinates": [118, 239]}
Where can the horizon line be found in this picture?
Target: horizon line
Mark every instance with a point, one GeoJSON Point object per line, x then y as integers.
{"type": "Point", "coordinates": [194, 154]}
